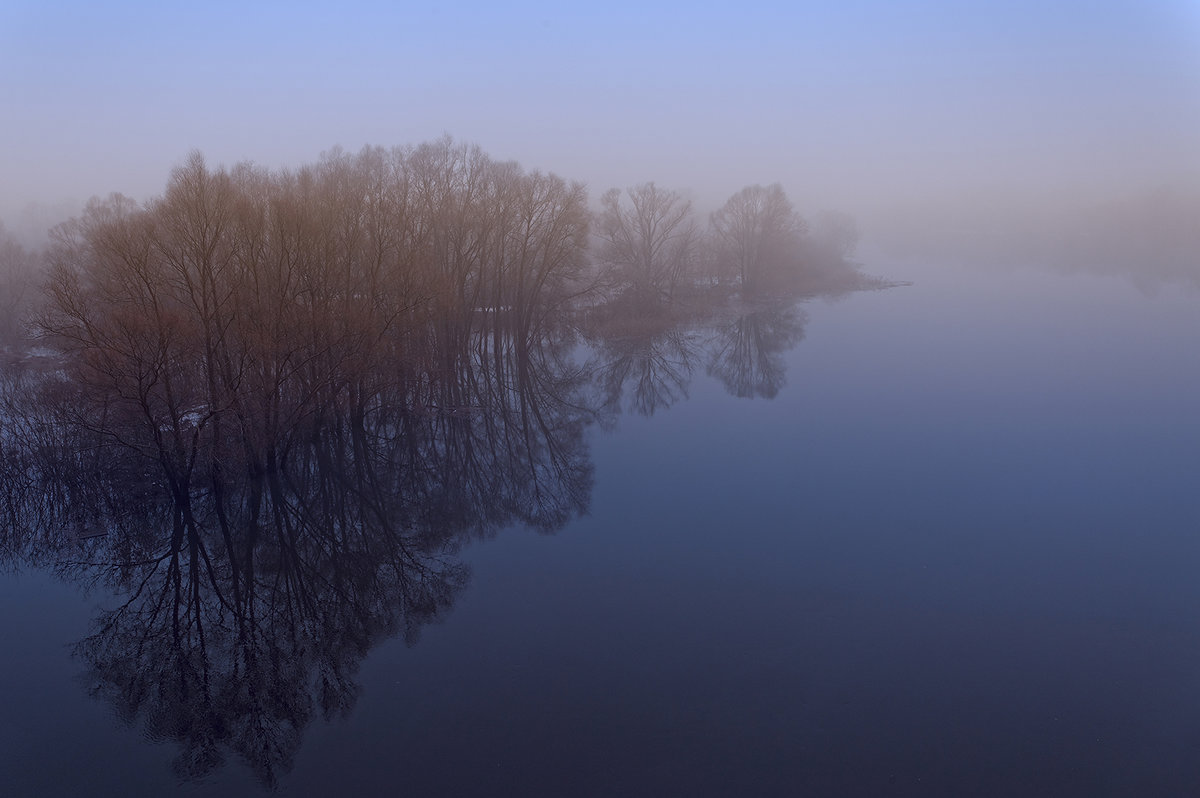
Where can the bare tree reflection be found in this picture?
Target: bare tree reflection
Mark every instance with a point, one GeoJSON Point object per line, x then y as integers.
{"type": "Point", "coordinates": [281, 401]}
{"type": "Point", "coordinates": [747, 350]}
{"type": "Point", "coordinates": [248, 607]}
{"type": "Point", "coordinates": [643, 367]}
{"type": "Point", "coordinates": [653, 370]}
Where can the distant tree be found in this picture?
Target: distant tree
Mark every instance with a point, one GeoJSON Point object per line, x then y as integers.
{"type": "Point", "coordinates": [18, 274]}
{"type": "Point", "coordinates": [649, 240]}
{"type": "Point", "coordinates": [757, 235]}
{"type": "Point", "coordinates": [835, 234]}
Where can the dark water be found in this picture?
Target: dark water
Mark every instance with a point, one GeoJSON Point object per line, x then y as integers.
{"type": "Point", "coordinates": [948, 544]}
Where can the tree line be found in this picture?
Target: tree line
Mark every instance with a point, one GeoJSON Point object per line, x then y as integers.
{"type": "Point", "coordinates": [244, 304]}
{"type": "Point", "coordinates": [442, 224]}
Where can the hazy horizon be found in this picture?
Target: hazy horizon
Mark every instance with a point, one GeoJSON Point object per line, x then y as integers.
{"type": "Point", "coordinates": [838, 439]}
{"type": "Point", "coordinates": [867, 107]}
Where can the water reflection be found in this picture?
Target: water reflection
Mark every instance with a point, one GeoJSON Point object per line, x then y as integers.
{"type": "Point", "coordinates": [652, 369]}
{"type": "Point", "coordinates": [747, 355]}
{"type": "Point", "coordinates": [644, 367]}
{"type": "Point", "coordinates": [249, 601]}
{"type": "Point", "coordinates": [254, 571]}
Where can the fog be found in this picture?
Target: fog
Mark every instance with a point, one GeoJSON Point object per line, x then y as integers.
{"type": "Point", "coordinates": [899, 114]}
{"type": "Point", "coordinates": [768, 313]}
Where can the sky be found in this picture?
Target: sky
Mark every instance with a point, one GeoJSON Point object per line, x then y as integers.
{"type": "Point", "coordinates": [851, 105]}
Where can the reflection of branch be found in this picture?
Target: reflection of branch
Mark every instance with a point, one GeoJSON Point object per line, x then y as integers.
{"type": "Point", "coordinates": [319, 586]}
{"type": "Point", "coordinates": [747, 352]}
{"type": "Point", "coordinates": [251, 596]}
{"type": "Point", "coordinates": [654, 369]}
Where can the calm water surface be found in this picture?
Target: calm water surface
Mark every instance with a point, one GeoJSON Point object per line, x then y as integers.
{"type": "Point", "coordinates": [955, 554]}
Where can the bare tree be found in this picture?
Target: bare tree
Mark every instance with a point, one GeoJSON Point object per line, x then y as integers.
{"type": "Point", "coordinates": [757, 233]}
{"type": "Point", "coordinates": [649, 240]}
{"type": "Point", "coordinates": [18, 275]}
{"type": "Point", "coordinates": [545, 245]}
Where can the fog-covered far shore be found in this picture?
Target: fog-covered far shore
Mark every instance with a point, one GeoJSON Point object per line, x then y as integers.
{"type": "Point", "coordinates": [1150, 235]}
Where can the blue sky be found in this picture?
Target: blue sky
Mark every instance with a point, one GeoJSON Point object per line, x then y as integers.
{"type": "Point", "coordinates": [846, 103]}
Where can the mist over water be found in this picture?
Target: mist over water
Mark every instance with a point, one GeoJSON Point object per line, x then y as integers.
{"type": "Point", "coordinates": [633, 400]}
